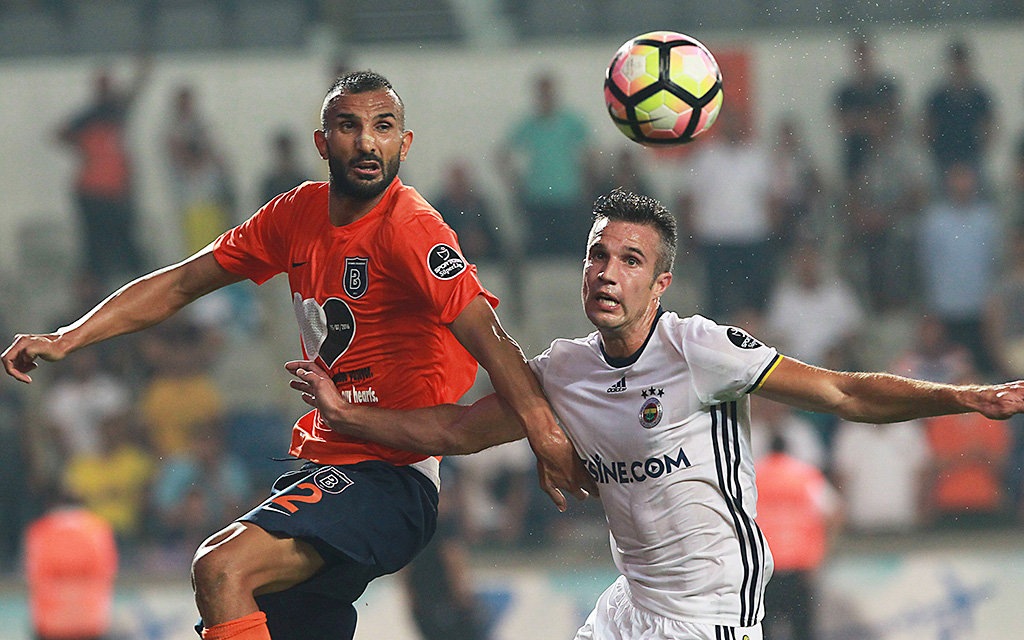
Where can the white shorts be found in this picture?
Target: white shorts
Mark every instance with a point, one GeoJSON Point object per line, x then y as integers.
{"type": "Point", "coordinates": [615, 617]}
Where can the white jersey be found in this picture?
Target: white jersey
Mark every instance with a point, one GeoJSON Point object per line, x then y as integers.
{"type": "Point", "coordinates": [666, 436]}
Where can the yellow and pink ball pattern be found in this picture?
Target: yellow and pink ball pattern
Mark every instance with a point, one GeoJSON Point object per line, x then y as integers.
{"type": "Point", "coordinates": [663, 88]}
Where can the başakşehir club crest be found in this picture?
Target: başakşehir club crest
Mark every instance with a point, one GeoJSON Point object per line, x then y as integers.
{"type": "Point", "coordinates": [355, 277]}
{"type": "Point", "coordinates": [445, 262]}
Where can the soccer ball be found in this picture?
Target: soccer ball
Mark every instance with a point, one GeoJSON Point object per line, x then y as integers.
{"type": "Point", "coordinates": [663, 88]}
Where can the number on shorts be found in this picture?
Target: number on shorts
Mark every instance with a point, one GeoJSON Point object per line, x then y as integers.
{"type": "Point", "coordinates": [287, 501]}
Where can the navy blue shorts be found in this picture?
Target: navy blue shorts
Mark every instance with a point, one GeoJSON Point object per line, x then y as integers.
{"type": "Point", "coordinates": [365, 520]}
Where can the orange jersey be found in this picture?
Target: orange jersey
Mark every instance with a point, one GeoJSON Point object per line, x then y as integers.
{"type": "Point", "coordinates": [71, 564]}
{"type": "Point", "coordinates": [372, 299]}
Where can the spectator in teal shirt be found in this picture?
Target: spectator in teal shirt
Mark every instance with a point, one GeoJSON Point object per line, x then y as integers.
{"type": "Point", "coordinates": [548, 161]}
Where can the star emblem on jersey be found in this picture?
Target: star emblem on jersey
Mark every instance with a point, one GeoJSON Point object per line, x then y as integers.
{"type": "Point", "coordinates": [618, 387]}
{"type": "Point", "coordinates": [445, 262]}
{"type": "Point", "coordinates": [651, 393]}
{"type": "Point", "coordinates": [651, 413]}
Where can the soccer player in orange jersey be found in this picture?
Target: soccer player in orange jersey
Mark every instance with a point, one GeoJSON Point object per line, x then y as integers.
{"type": "Point", "coordinates": [388, 306]}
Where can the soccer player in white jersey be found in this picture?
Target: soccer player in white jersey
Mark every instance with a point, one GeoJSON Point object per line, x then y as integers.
{"type": "Point", "coordinates": [657, 408]}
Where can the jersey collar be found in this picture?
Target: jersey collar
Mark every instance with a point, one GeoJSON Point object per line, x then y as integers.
{"type": "Point", "coordinates": [619, 363]}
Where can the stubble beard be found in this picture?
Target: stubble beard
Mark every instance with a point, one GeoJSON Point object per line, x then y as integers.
{"type": "Point", "coordinates": [342, 185]}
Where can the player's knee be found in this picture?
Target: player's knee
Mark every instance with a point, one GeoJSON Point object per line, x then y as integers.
{"type": "Point", "coordinates": [219, 567]}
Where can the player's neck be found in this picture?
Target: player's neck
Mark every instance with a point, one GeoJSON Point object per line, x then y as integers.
{"type": "Point", "coordinates": [343, 210]}
{"type": "Point", "coordinates": [623, 342]}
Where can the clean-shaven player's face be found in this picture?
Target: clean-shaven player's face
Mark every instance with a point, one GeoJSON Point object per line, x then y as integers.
{"type": "Point", "coordinates": [364, 142]}
{"type": "Point", "coordinates": [620, 286]}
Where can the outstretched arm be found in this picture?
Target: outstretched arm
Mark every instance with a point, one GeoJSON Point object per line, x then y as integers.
{"type": "Point", "coordinates": [135, 306]}
{"type": "Point", "coordinates": [479, 331]}
{"type": "Point", "coordinates": [448, 429]}
{"type": "Point", "coordinates": [884, 398]}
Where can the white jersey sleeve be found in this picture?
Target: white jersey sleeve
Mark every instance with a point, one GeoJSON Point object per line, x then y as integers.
{"type": "Point", "coordinates": [725, 362]}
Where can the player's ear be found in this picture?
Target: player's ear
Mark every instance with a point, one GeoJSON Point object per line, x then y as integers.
{"type": "Point", "coordinates": [406, 143]}
{"type": "Point", "coordinates": [320, 140]}
{"type": "Point", "coordinates": [661, 283]}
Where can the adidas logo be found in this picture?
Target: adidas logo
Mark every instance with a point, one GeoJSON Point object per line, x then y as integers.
{"type": "Point", "coordinates": [619, 386]}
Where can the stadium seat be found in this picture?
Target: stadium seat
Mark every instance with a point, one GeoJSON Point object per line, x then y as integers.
{"type": "Point", "coordinates": [261, 24]}
{"type": "Point", "coordinates": [31, 32]}
{"type": "Point", "coordinates": [187, 26]}
{"type": "Point", "coordinates": [105, 26]}
{"type": "Point", "coordinates": [403, 21]}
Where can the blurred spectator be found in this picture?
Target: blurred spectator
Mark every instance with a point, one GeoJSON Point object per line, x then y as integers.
{"type": "Point", "coordinates": [729, 213]}
{"type": "Point", "coordinates": [114, 482]}
{"type": "Point", "coordinates": [548, 161]}
{"type": "Point", "coordinates": [15, 474]}
{"type": "Point", "coordinates": [1004, 312]}
{"type": "Point", "coordinates": [1017, 185]}
{"type": "Point", "coordinates": [880, 470]}
{"type": "Point", "coordinates": [501, 504]}
{"type": "Point", "coordinates": [626, 172]}
{"type": "Point", "coordinates": [202, 189]}
{"type": "Point", "coordinates": [814, 315]}
{"type": "Point", "coordinates": [84, 395]}
{"type": "Point", "coordinates": [770, 420]}
{"type": "Point", "coordinates": [197, 491]}
{"type": "Point", "coordinates": [186, 132]}
{"type": "Point", "coordinates": [933, 356]}
{"type": "Point", "coordinates": [440, 588]}
{"type": "Point", "coordinates": [1015, 468]}
{"type": "Point", "coordinates": [863, 105]}
{"type": "Point", "coordinates": [286, 174]}
{"type": "Point", "coordinates": [798, 511]}
{"type": "Point", "coordinates": [181, 400]}
{"type": "Point", "coordinates": [70, 568]}
{"type": "Point", "coordinates": [884, 200]}
{"type": "Point", "coordinates": [466, 208]}
{"type": "Point", "coordinates": [959, 116]}
{"type": "Point", "coordinates": [103, 188]}
{"type": "Point", "coordinates": [969, 454]}
{"type": "Point", "coordinates": [959, 248]}
{"type": "Point", "coordinates": [796, 189]}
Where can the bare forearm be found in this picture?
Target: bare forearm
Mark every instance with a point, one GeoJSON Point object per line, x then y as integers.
{"type": "Point", "coordinates": [147, 301]}
{"type": "Point", "coordinates": [448, 429]}
{"type": "Point", "coordinates": [882, 397]}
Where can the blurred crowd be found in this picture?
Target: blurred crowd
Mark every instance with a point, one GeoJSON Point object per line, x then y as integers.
{"type": "Point", "coordinates": [910, 260]}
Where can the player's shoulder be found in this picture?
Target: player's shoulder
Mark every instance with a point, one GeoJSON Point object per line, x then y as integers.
{"type": "Point", "coordinates": [298, 199]}
{"type": "Point", "coordinates": [406, 204]}
{"type": "Point", "coordinates": [696, 331]}
{"type": "Point", "coordinates": [566, 350]}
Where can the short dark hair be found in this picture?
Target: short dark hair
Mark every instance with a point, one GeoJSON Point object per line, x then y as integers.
{"type": "Point", "coordinates": [627, 206]}
{"type": "Point", "coordinates": [359, 82]}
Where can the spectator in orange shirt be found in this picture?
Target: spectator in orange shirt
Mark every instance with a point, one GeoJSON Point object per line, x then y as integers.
{"type": "Point", "coordinates": [70, 565]}
{"type": "Point", "coordinates": [103, 187]}
{"type": "Point", "coordinates": [970, 453]}
{"type": "Point", "coordinates": [797, 510]}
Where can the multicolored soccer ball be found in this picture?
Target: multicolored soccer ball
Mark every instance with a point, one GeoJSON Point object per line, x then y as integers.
{"type": "Point", "coordinates": [663, 88]}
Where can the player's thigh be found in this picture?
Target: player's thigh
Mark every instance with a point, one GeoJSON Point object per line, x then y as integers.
{"type": "Point", "coordinates": [260, 562]}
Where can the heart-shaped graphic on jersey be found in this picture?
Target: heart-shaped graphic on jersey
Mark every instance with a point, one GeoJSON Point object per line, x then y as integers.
{"type": "Point", "coordinates": [326, 331]}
